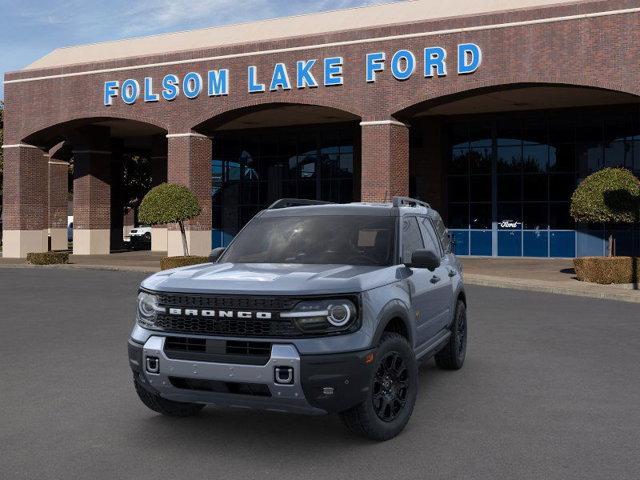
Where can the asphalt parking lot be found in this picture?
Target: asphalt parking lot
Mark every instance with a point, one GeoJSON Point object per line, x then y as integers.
{"type": "Point", "coordinates": [550, 390]}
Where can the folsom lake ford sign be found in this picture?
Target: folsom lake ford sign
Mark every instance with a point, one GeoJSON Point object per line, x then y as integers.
{"type": "Point", "coordinates": [309, 73]}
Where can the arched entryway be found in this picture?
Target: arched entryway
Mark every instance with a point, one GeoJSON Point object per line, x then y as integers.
{"type": "Point", "coordinates": [263, 153]}
{"type": "Point", "coordinates": [501, 164]}
{"type": "Point", "coordinates": [111, 163]}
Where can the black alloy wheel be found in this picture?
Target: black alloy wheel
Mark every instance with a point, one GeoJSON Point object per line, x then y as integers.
{"type": "Point", "coordinates": [390, 387]}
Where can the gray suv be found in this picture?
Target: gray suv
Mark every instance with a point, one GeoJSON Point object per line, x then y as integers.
{"type": "Point", "coordinates": [313, 308]}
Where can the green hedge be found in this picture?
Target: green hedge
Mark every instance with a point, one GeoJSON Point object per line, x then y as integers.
{"type": "Point", "coordinates": [168, 263]}
{"type": "Point", "coordinates": [168, 203]}
{"type": "Point", "coordinates": [48, 258]}
{"type": "Point", "coordinates": [607, 270]}
{"type": "Point", "coordinates": [610, 195]}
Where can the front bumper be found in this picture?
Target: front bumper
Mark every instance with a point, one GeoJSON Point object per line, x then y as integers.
{"type": "Point", "coordinates": [320, 384]}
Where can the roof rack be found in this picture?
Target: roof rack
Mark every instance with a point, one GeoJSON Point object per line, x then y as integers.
{"type": "Point", "coordinates": [409, 202]}
{"type": "Point", "coordinates": [294, 202]}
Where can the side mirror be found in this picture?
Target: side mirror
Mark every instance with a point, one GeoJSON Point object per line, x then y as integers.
{"type": "Point", "coordinates": [425, 259]}
{"type": "Point", "coordinates": [215, 254]}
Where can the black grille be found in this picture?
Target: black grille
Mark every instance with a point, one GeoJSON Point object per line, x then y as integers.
{"type": "Point", "coordinates": [185, 344]}
{"type": "Point", "coordinates": [248, 348]}
{"type": "Point", "coordinates": [238, 388]}
{"type": "Point", "coordinates": [232, 302]}
{"type": "Point", "coordinates": [217, 350]}
{"type": "Point", "coordinates": [237, 327]}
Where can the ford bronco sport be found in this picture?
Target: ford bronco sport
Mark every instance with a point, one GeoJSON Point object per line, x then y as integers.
{"type": "Point", "coordinates": [313, 308]}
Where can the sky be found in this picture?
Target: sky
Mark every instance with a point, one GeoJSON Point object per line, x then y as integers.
{"type": "Point", "coordinates": [29, 29]}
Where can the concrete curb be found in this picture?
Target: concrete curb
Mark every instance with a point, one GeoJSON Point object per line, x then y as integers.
{"type": "Point", "coordinates": [604, 292]}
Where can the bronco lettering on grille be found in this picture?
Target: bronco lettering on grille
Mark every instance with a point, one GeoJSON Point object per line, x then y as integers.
{"type": "Point", "coordinates": [189, 312]}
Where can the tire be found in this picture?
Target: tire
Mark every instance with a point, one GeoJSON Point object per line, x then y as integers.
{"type": "Point", "coordinates": [166, 407]}
{"type": "Point", "coordinates": [382, 416]}
{"type": "Point", "coordinates": [452, 356]}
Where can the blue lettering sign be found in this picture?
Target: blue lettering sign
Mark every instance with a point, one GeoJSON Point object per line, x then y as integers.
{"type": "Point", "coordinates": [469, 58]}
{"type": "Point", "coordinates": [375, 63]}
{"type": "Point", "coordinates": [280, 78]}
{"type": "Point", "coordinates": [149, 96]}
{"type": "Point", "coordinates": [304, 77]}
{"type": "Point", "coordinates": [130, 91]}
{"type": "Point", "coordinates": [218, 82]}
{"type": "Point", "coordinates": [254, 87]}
{"type": "Point", "coordinates": [333, 71]}
{"type": "Point", "coordinates": [110, 92]}
{"type": "Point", "coordinates": [403, 64]}
{"type": "Point", "coordinates": [192, 85]}
{"type": "Point", "coordinates": [434, 59]}
{"type": "Point", "coordinates": [170, 87]}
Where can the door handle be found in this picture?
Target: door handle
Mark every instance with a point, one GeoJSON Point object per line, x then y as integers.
{"type": "Point", "coordinates": [435, 279]}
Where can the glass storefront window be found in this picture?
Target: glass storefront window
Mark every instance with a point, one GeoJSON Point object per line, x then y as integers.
{"type": "Point", "coordinates": [535, 216]}
{"type": "Point", "coordinates": [253, 168]}
{"type": "Point", "coordinates": [480, 216]}
{"type": "Point", "coordinates": [509, 187]}
{"type": "Point", "coordinates": [535, 158]}
{"type": "Point", "coordinates": [534, 161]}
{"type": "Point", "coordinates": [510, 158]}
{"type": "Point", "coordinates": [481, 188]}
{"type": "Point", "coordinates": [458, 189]}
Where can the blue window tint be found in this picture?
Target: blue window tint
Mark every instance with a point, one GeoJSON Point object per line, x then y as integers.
{"type": "Point", "coordinates": [535, 244]}
{"type": "Point", "coordinates": [591, 243]}
{"type": "Point", "coordinates": [460, 240]}
{"type": "Point", "coordinates": [481, 242]}
{"type": "Point", "coordinates": [220, 238]}
{"type": "Point", "coordinates": [510, 243]}
{"type": "Point", "coordinates": [562, 244]}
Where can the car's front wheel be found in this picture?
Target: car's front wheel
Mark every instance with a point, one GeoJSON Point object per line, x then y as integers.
{"type": "Point", "coordinates": [392, 392]}
{"type": "Point", "coordinates": [166, 407]}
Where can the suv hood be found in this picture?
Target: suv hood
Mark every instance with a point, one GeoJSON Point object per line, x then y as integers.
{"type": "Point", "coordinates": [269, 278]}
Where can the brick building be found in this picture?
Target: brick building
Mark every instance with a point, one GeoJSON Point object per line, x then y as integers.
{"type": "Point", "coordinates": [491, 110]}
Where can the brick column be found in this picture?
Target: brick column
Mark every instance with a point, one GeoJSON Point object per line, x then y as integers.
{"type": "Point", "coordinates": [385, 160]}
{"type": "Point", "coordinates": [92, 192]}
{"type": "Point", "coordinates": [159, 175]}
{"type": "Point", "coordinates": [58, 191]}
{"type": "Point", "coordinates": [25, 212]}
{"type": "Point", "coordinates": [189, 164]}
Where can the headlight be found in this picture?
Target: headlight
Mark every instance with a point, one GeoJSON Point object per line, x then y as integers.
{"type": "Point", "coordinates": [324, 316]}
{"type": "Point", "coordinates": [148, 309]}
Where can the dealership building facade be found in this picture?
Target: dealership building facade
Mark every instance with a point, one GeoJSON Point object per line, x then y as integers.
{"type": "Point", "coordinates": [491, 110]}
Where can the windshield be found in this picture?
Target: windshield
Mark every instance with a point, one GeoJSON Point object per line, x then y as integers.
{"type": "Point", "coordinates": [347, 240]}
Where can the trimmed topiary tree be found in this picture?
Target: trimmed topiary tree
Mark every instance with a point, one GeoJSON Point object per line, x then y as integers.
{"type": "Point", "coordinates": [611, 195]}
{"type": "Point", "coordinates": [169, 203]}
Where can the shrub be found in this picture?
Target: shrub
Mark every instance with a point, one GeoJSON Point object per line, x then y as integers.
{"type": "Point", "coordinates": [169, 203]}
{"type": "Point", "coordinates": [611, 195]}
{"type": "Point", "coordinates": [48, 258]}
{"type": "Point", "coordinates": [168, 263]}
{"type": "Point", "coordinates": [606, 270]}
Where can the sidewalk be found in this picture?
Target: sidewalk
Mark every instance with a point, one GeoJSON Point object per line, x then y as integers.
{"type": "Point", "coordinates": [540, 275]}
{"type": "Point", "coordinates": [136, 261]}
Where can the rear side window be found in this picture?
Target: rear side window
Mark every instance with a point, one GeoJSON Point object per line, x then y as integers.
{"type": "Point", "coordinates": [442, 232]}
{"type": "Point", "coordinates": [430, 239]}
{"type": "Point", "coordinates": [411, 238]}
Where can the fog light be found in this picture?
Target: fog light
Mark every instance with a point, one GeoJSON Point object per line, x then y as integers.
{"type": "Point", "coordinates": [152, 364]}
{"type": "Point", "coordinates": [284, 375]}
